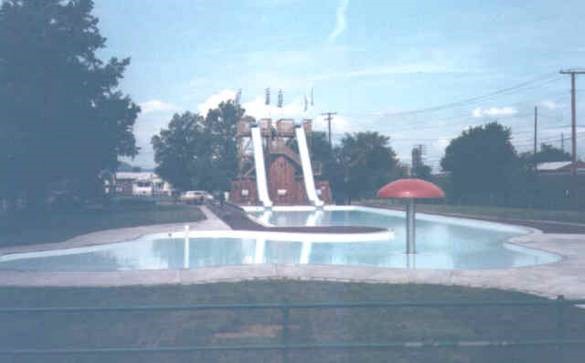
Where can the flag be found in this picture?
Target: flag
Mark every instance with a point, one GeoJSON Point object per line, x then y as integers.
{"type": "Point", "coordinates": [238, 96]}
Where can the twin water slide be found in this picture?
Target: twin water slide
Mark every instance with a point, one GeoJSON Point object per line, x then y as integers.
{"type": "Point", "coordinates": [261, 182]}
{"type": "Point", "coordinates": [307, 168]}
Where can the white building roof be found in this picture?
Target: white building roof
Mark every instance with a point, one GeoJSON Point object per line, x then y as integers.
{"type": "Point", "coordinates": [552, 165]}
{"type": "Point", "coordinates": [140, 175]}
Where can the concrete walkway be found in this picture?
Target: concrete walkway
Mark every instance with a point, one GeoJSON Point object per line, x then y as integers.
{"type": "Point", "coordinates": [210, 223]}
{"type": "Point", "coordinates": [566, 277]}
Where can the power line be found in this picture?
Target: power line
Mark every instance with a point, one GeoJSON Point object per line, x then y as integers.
{"type": "Point", "coordinates": [464, 102]}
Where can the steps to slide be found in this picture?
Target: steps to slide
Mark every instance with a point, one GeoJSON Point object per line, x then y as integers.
{"type": "Point", "coordinates": [307, 168]}
{"type": "Point", "coordinates": [261, 182]}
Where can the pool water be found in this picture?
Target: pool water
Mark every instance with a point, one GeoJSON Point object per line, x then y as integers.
{"type": "Point", "coordinates": [442, 243]}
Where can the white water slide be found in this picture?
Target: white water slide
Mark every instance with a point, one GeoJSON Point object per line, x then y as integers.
{"type": "Point", "coordinates": [261, 182]}
{"type": "Point", "coordinates": [307, 168]}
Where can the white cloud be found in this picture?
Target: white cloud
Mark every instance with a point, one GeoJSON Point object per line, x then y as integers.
{"type": "Point", "coordinates": [549, 105]}
{"type": "Point", "coordinates": [340, 20]}
{"type": "Point", "coordinates": [258, 109]}
{"type": "Point", "coordinates": [479, 112]}
{"type": "Point", "coordinates": [214, 100]}
{"type": "Point", "coordinates": [385, 70]}
{"type": "Point", "coordinates": [147, 125]}
{"type": "Point", "coordinates": [157, 106]}
{"type": "Point", "coordinates": [442, 143]}
{"type": "Point", "coordinates": [339, 125]}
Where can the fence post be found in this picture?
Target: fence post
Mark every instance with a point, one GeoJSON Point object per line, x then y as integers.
{"type": "Point", "coordinates": [285, 332]}
{"type": "Point", "coordinates": [560, 328]}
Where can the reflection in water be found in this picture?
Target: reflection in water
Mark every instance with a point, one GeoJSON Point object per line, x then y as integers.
{"type": "Point", "coordinates": [440, 245]}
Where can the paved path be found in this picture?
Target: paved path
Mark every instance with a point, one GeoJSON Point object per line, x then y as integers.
{"type": "Point", "coordinates": [210, 223]}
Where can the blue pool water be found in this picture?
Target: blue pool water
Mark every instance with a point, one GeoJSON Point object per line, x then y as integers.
{"type": "Point", "coordinates": [442, 243]}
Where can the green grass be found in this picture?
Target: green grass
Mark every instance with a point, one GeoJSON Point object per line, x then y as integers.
{"type": "Point", "coordinates": [216, 327]}
{"type": "Point", "coordinates": [59, 226]}
{"type": "Point", "coordinates": [492, 212]}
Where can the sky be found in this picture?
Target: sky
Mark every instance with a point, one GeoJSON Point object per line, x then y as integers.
{"type": "Point", "coordinates": [418, 71]}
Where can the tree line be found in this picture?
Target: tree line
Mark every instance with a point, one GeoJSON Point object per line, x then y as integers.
{"type": "Point", "coordinates": [482, 165]}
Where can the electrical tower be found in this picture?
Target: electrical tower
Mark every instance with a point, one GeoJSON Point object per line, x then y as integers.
{"type": "Point", "coordinates": [417, 159]}
{"type": "Point", "coordinates": [329, 118]}
{"type": "Point", "coordinates": [573, 73]}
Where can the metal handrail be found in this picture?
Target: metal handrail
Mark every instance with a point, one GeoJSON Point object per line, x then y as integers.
{"type": "Point", "coordinates": [317, 305]}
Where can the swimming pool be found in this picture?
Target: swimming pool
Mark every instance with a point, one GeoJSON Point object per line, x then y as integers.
{"type": "Point", "coordinates": [442, 243]}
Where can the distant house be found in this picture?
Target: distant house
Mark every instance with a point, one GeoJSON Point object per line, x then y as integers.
{"type": "Point", "coordinates": [559, 167]}
{"type": "Point", "coordinates": [140, 184]}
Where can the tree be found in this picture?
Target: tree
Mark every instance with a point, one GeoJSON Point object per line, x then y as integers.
{"type": "Point", "coordinates": [199, 153]}
{"type": "Point", "coordinates": [422, 171]}
{"type": "Point", "coordinates": [550, 153]}
{"type": "Point", "coordinates": [483, 164]}
{"type": "Point", "coordinates": [221, 127]}
{"type": "Point", "coordinates": [368, 162]}
{"type": "Point", "coordinates": [61, 115]}
{"type": "Point", "coordinates": [181, 151]}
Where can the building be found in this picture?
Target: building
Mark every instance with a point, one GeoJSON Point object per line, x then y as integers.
{"type": "Point", "coordinates": [141, 183]}
{"type": "Point", "coordinates": [557, 188]}
{"type": "Point", "coordinates": [559, 168]}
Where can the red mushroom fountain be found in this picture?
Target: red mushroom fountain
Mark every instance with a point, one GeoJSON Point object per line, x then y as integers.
{"type": "Point", "coordinates": [410, 189]}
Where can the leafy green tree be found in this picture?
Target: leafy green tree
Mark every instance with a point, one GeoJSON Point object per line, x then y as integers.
{"type": "Point", "coordinates": [62, 118]}
{"type": "Point", "coordinates": [368, 162]}
{"type": "Point", "coordinates": [221, 128]}
{"type": "Point", "coordinates": [550, 153]}
{"type": "Point", "coordinates": [199, 153]}
{"type": "Point", "coordinates": [483, 164]}
{"type": "Point", "coordinates": [422, 171]}
{"type": "Point", "coordinates": [182, 151]}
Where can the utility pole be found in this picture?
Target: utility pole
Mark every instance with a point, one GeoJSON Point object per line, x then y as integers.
{"type": "Point", "coordinates": [562, 141]}
{"type": "Point", "coordinates": [535, 130]}
{"type": "Point", "coordinates": [573, 73]}
{"type": "Point", "coordinates": [329, 117]}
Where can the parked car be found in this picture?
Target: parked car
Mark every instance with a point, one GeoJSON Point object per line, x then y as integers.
{"type": "Point", "coordinates": [194, 196]}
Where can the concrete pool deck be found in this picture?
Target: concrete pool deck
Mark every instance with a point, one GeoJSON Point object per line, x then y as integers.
{"type": "Point", "coordinates": [565, 277]}
{"type": "Point", "coordinates": [211, 222]}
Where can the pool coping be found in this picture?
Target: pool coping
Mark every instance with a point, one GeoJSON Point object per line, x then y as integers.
{"type": "Point", "coordinates": [565, 277]}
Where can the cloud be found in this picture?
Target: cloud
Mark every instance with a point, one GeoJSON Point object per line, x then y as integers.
{"type": "Point", "coordinates": [215, 99]}
{"type": "Point", "coordinates": [390, 69]}
{"type": "Point", "coordinates": [258, 109]}
{"type": "Point", "coordinates": [340, 20]}
{"type": "Point", "coordinates": [147, 125]}
{"type": "Point", "coordinates": [442, 143]}
{"type": "Point", "coordinates": [479, 112]}
{"type": "Point", "coordinates": [153, 106]}
{"type": "Point", "coordinates": [549, 105]}
{"type": "Point", "coordinates": [340, 125]}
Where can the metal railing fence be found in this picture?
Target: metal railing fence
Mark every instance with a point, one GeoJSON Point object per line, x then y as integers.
{"type": "Point", "coordinates": [559, 339]}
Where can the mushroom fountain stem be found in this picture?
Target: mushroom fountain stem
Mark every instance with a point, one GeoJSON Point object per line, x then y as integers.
{"type": "Point", "coordinates": [410, 227]}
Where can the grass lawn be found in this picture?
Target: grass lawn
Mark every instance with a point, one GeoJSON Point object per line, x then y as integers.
{"type": "Point", "coordinates": [59, 226]}
{"type": "Point", "coordinates": [220, 327]}
{"type": "Point", "coordinates": [492, 212]}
